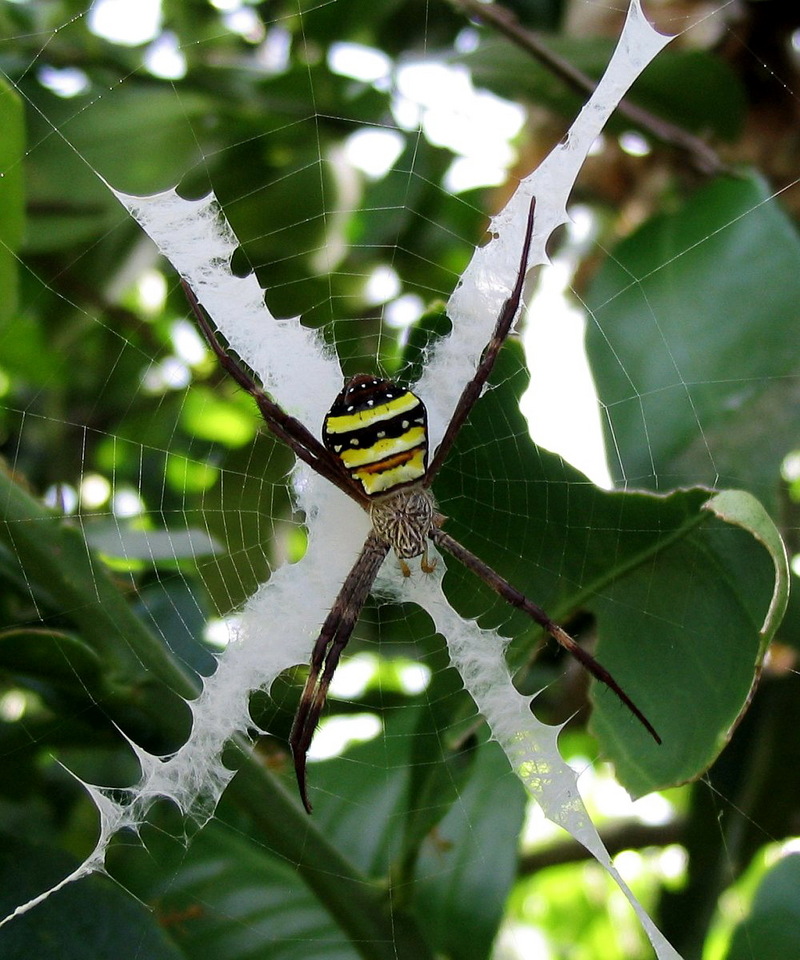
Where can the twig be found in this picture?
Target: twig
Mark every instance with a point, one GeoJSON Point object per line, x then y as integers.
{"type": "Point", "coordinates": [628, 835]}
{"type": "Point", "coordinates": [504, 21]}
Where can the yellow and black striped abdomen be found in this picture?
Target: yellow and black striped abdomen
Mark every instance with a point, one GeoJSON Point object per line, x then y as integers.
{"type": "Point", "coordinates": [379, 431]}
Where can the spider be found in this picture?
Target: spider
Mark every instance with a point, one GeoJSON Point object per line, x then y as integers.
{"type": "Point", "coordinates": [375, 450]}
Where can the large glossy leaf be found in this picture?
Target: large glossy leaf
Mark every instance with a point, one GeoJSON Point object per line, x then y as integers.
{"type": "Point", "coordinates": [683, 587]}
{"type": "Point", "coordinates": [57, 657]}
{"type": "Point", "coordinates": [51, 555]}
{"type": "Point", "coordinates": [135, 136]}
{"type": "Point", "coordinates": [700, 612]}
{"type": "Point", "coordinates": [467, 855]}
{"type": "Point", "coordinates": [693, 342]}
{"type": "Point", "coordinates": [227, 898]}
{"type": "Point", "coordinates": [374, 784]}
{"type": "Point", "coordinates": [468, 864]}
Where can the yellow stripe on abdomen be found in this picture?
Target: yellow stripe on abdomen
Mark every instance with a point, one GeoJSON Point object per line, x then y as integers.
{"type": "Point", "coordinates": [394, 472]}
{"type": "Point", "coordinates": [381, 449]}
{"type": "Point", "coordinates": [379, 432]}
{"type": "Point", "coordinates": [359, 418]}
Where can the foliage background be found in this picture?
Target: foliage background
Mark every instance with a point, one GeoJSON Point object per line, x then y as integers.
{"type": "Point", "coordinates": [79, 351]}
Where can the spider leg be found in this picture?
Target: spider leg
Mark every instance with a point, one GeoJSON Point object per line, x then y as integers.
{"type": "Point", "coordinates": [285, 427]}
{"type": "Point", "coordinates": [502, 328]}
{"type": "Point", "coordinates": [333, 638]}
{"type": "Point", "coordinates": [513, 596]}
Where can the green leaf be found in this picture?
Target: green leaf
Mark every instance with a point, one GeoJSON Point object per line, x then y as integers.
{"type": "Point", "coordinates": [172, 606]}
{"type": "Point", "coordinates": [207, 416]}
{"type": "Point", "coordinates": [467, 858]}
{"type": "Point", "coordinates": [740, 508]}
{"type": "Point", "coordinates": [683, 587]}
{"type": "Point", "coordinates": [440, 766]}
{"type": "Point", "coordinates": [52, 554]}
{"type": "Point", "coordinates": [377, 777]}
{"type": "Point", "coordinates": [227, 898]}
{"type": "Point", "coordinates": [55, 656]}
{"type": "Point", "coordinates": [137, 136]}
{"type": "Point", "coordinates": [50, 550]}
{"type": "Point", "coordinates": [693, 342]}
{"type": "Point", "coordinates": [698, 612]}
{"type": "Point", "coordinates": [188, 475]}
{"type": "Point", "coordinates": [12, 199]}
{"type": "Point", "coordinates": [468, 864]}
{"type": "Point", "coordinates": [772, 930]}
{"type": "Point", "coordinates": [90, 918]}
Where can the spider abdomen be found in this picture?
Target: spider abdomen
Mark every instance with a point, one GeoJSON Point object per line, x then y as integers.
{"type": "Point", "coordinates": [379, 430]}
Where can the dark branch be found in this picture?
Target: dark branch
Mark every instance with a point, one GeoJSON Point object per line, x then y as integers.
{"type": "Point", "coordinates": [505, 21]}
{"type": "Point", "coordinates": [513, 596]}
{"type": "Point", "coordinates": [627, 835]}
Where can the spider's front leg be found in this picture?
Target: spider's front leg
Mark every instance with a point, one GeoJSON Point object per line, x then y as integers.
{"type": "Point", "coordinates": [286, 428]}
{"type": "Point", "coordinates": [333, 638]}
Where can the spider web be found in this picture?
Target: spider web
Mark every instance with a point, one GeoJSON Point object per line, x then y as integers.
{"type": "Point", "coordinates": [198, 783]}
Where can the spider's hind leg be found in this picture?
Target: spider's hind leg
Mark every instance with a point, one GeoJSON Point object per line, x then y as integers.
{"type": "Point", "coordinates": [426, 565]}
{"type": "Point", "coordinates": [511, 595]}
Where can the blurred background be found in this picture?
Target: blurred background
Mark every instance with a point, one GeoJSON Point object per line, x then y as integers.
{"type": "Point", "coordinates": [358, 150]}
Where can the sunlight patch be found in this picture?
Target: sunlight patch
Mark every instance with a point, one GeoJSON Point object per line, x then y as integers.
{"type": "Point", "coordinates": [359, 62]}
{"type": "Point", "coordinates": [165, 59]}
{"type": "Point", "coordinates": [374, 152]}
{"type": "Point", "coordinates": [336, 734]}
{"type": "Point", "coordinates": [126, 22]}
{"type": "Point", "coordinates": [64, 81]}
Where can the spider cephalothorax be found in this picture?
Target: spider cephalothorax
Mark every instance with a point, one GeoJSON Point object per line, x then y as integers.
{"type": "Point", "coordinates": [405, 520]}
{"type": "Point", "coordinates": [375, 450]}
